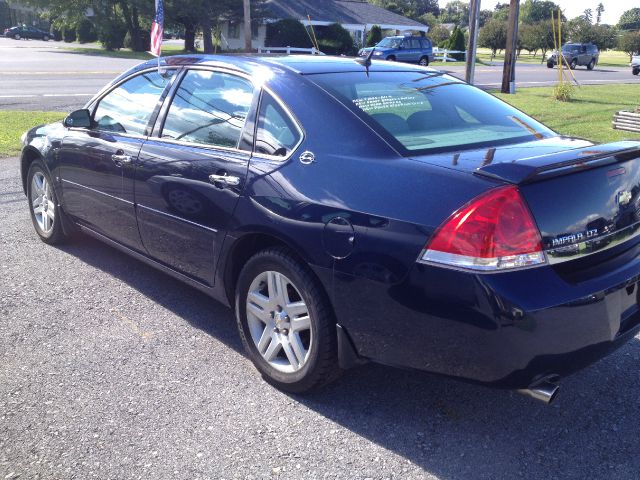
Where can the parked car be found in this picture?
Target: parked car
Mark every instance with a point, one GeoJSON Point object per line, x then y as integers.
{"type": "Point", "coordinates": [409, 49]}
{"type": "Point", "coordinates": [395, 215]}
{"type": "Point", "coordinates": [576, 54]}
{"type": "Point", "coordinates": [22, 31]}
{"type": "Point", "coordinates": [635, 64]}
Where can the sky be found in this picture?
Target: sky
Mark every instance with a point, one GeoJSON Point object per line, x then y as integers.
{"type": "Point", "coordinates": [572, 8]}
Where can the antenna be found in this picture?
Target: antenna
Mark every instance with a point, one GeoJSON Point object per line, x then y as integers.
{"type": "Point", "coordinates": [366, 61]}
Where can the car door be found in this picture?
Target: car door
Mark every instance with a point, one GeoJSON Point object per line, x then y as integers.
{"type": "Point", "coordinates": [97, 164]}
{"type": "Point", "coordinates": [192, 170]}
{"type": "Point", "coordinates": [405, 52]}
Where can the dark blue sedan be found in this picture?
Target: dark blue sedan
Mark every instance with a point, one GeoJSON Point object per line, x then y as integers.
{"type": "Point", "coordinates": [350, 213]}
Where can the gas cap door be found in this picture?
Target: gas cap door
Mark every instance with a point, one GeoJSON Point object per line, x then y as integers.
{"type": "Point", "coordinates": [338, 237]}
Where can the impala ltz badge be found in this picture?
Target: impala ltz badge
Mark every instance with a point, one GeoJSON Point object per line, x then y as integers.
{"type": "Point", "coordinates": [624, 197]}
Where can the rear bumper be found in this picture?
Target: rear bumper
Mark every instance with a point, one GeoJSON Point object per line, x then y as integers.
{"type": "Point", "coordinates": [507, 329]}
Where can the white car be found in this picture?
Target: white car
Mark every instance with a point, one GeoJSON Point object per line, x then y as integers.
{"type": "Point", "coordinates": [635, 65]}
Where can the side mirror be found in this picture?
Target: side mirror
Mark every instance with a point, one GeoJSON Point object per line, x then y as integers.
{"type": "Point", "coordinates": [78, 119]}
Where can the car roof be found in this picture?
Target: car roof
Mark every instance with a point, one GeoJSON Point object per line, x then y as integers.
{"type": "Point", "coordinates": [296, 64]}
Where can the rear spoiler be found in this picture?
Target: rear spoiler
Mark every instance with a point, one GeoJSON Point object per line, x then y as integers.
{"type": "Point", "coordinates": [533, 169]}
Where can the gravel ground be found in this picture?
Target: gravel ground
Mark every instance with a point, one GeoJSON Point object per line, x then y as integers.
{"type": "Point", "coordinates": [110, 369]}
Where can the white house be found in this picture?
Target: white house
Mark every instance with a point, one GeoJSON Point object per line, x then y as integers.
{"type": "Point", "coordinates": [356, 16]}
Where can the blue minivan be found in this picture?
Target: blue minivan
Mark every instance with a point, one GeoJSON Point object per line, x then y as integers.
{"type": "Point", "coordinates": [402, 49]}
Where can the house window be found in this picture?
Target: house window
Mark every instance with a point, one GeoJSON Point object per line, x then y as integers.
{"type": "Point", "coordinates": [234, 30]}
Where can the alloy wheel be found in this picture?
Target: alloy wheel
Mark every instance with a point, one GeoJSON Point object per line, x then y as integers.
{"type": "Point", "coordinates": [41, 204]}
{"type": "Point", "coordinates": [279, 322]}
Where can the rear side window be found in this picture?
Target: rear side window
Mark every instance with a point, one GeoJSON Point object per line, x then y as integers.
{"type": "Point", "coordinates": [425, 43]}
{"type": "Point", "coordinates": [427, 112]}
{"type": "Point", "coordinates": [128, 108]}
{"type": "Point", "coordinates": [209, 108]}
{"type": "Point", "coordinates": [277, 134]}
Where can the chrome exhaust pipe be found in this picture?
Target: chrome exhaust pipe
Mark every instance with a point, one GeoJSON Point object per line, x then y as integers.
{"type": "Point", "coordinates": [544, 391]}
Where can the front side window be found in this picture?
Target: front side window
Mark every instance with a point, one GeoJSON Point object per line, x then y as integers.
{"type": "Point", "coordinates": [128, 108]}
{"type": "Point", "coordinates": [209, 108]}
{"type": "Point", "coordinates": [389, 42]}
{"type": "Point", "coordinates": [277, 134]}
{"type": "Point", "coordinates": [427, 112]}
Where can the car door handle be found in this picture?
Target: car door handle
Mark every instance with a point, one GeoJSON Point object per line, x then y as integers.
{"type": "Point", "coordinates": [226, 179]}
{"type": "Point", "coordinates": [121, 159]}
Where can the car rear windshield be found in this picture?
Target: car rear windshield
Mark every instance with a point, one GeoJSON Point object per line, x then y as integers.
{"type": "Point", "coordinates": [429, 112]}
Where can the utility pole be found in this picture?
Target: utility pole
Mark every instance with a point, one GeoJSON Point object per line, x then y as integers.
{"type": "Point", "coordinates": [247, 25]}
{"type": "Point", "coordinates": [474, 17]}
{"type": "Point", "coordinates": [509, 70]}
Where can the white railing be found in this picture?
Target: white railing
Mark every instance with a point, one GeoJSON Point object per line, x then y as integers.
{"type": "Point", "coordinates": [289, 50]}
{"type": "Point", "coordinates": [443, 54]}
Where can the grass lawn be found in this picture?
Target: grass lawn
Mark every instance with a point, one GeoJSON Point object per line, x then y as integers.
{"type": "Point", "coordinates": [588, 115]}
{"type": "Point", "coordinates": [15, 123]}
{"type": "Point", "coordinates": [127, 53]}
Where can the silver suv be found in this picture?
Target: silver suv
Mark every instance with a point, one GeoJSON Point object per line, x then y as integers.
{"type": "Point", "coordinates": [585, 54]}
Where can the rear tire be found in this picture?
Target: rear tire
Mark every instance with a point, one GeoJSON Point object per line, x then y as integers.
{"type": "Point", "coordinates": [17, 36]}
{"type": "Point", "coordinates": [636, 71]}
{"type": "Point", "coordinates": [573, 64]}
{"type": "Point", "coordinates": [46, 214]}
{"type": "Point", "coordinates": [550, 65]}
{"type": "Point", "coordinates": [45, 38]}
{"type": "Point", "coordinates": [591, 65]}
{"type": "Point", "coordinates": [286, 323]}
{"type": "Point", "coordinates": [424, 61]}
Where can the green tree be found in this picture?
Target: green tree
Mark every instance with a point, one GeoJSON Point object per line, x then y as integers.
{"type": "Point", "coordinates": [533, 11]}
{"type": "Point", "coordinates": [456, 42]}
{"type": "Point", "coordinates": [629, 42]}
{"type": "Point", "coordinates": [287, 32]}
{"type": "Point", "coordinates": [501, 12]}
{"type": "Point", "coordinates": [456, 12]}
{"type": "Point", "coordinates": [334, 39]}
{"type": "Point", "coordinates": [588, 15]}
{"type": "Point", "coordinates": [485, 16]}
{"type": "Point", "coordinates": [630, 20]}
{"type": "Point", "coordinates": [439, 35]}
{"type": "Point", "coordinates": [599, 10]}
{"type": "Point", "coordinates": [374, 36]}
{"type": "Point", "coordinates": [493, 35]}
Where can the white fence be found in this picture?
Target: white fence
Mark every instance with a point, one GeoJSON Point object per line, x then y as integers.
{"type": "Point", "coordinates": [442, 54]}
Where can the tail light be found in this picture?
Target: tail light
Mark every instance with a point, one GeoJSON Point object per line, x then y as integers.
{"type": "Point", "coordinates": [493, 232]}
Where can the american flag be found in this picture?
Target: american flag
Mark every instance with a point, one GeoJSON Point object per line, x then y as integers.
{"type": "Point", "coordinates": [156, 30]}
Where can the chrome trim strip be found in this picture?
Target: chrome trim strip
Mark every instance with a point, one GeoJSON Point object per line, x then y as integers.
{"type": "Point", "coordinates": [559, 255]}
{"type": "Point", "coordinates": [97, 191]}
{"type": "Point", "coordinates": [464, 263]}
{"type": "Point", "coordinates": [175, 217]}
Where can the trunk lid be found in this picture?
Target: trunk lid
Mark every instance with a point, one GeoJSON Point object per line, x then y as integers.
{"type": "Point", "coordinates": [585, 198]}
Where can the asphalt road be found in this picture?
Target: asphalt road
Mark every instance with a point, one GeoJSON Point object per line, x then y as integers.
{"type": "Point", "coordinates": [37, 75]}
{"type": "Point", "coordinates": [110, 369]}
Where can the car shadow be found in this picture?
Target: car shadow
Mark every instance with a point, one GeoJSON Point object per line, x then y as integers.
{"type": "Point", "coordinates": [449, 428]}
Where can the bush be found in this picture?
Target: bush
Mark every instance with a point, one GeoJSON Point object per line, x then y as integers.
{"type": "Point", "coordinates": [374, 36]}
{"type": "Point", "coordinates": [563, 92]}
{"type": "Point", "coordinates": [111, 34]}
{"type": "Point", "coordinates": [145, 41]}
{"type": "Point", "coordinates": [287, 33]}
{"type": "Point", "coordinates": [334, 39]}
{"type": "Point", "coordinates": [456, 42]}
{"type": "Point", "coordinates": [69, 33]}
{"type": "Point", "coordinates": [86, 32]}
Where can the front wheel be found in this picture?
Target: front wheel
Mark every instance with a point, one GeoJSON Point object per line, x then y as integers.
{"type": "Point", "coordinates": [636, 71]}
{"type": "Point", "coordinates": [45, 38]}
{"type": "Point", "coordinates": [391, 58]}
{"type": "Point", "coordinates": [43, 205]}
{"type": "Point", "coordinates": [424, 61]}
{"type": "Point", "coordinates": [17, 36]}
{"type": "Point", "coordinates": [573, 64]}
{"type": "Point", "coordinates": [550, 64]}
{"type": "Point", "coordinates": [286, 323]}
